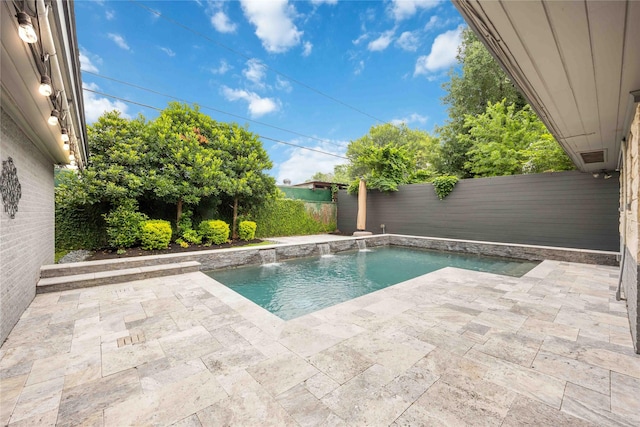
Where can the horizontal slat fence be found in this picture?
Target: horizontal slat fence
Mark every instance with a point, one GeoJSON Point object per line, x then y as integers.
{"type": "Point", "coordinates": [564, 209]}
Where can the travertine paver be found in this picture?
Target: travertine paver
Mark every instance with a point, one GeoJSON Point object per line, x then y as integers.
{"type": "Point", "coordinates": [453, 347]}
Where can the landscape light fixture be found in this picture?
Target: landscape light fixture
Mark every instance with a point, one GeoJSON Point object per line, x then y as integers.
{"type": "Point", "coordinates": [53, 118]}
{"type": "Point", "coordinates": [64, 136]}
{"type": "Point", "coordinates": [45, 85]}
{"type": "Point", "coordinates": [25, 28]}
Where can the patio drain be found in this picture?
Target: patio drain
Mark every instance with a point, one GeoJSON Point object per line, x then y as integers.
{"type": "Point", "coordinates": [131, 340]}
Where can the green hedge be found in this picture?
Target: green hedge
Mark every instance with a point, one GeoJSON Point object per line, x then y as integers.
{"type": "Point", "coordinates": [286, 217]}
{"type": "Point", "coordinates": [80, 228]}
{"type": "Point", "coordinates": [214, 231]}
{"type": "Point", "coordinates": [155, 234]}
{"type": "Point", "coordinates": [247, 230]}
{"type": "Point", "coordinates": [124, 225]}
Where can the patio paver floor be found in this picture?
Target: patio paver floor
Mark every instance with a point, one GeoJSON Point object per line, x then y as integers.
{"type": "Point", "coordinates": [453, 347]}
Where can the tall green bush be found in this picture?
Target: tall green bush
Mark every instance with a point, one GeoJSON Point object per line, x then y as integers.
{"type": "Point", "coordinates": [79, 227]}
{"type": "Point", "coordinates": [155, 234]}
{"type": "Point", "coordinates": [214, 231]}
{"type": "Point", "coordinates": [247, 230]}
{"type": "Point", "coordinates": [286, 217]}
{"type": "Point", "coordinates": [124, 225]}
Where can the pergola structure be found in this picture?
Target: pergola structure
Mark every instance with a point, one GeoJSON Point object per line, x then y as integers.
{"type": "Point", "coordinates": [578, 64]}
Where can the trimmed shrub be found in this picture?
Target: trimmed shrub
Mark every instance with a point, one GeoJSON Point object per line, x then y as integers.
{"type": "Point", "coordinates": [286, 217]}
{"type": "Point", "coordinates": [214, 231]}
{"type": "Point", "coordinates": [443, 185]}
{"type": "Point", "coordinates": [247, 230]}
{"type": "Point", "coordinates": [123, 225]}
{"type": "Point", "coordinates": [156, 234]}
{"type": "Point", "coordinates": [79, 227]}
{"type": "Point", "coordinates": [192, 236]}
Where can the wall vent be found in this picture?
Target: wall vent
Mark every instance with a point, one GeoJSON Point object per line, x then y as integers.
{"type": "Point", "coordinates": [593, 156]}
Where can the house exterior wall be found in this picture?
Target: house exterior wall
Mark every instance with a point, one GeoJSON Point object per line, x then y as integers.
{"type": "Point", "coordinates": [26, 241]}
{"type": "Point", "coordinates": [563, 209]}
{"type": "Point", "coordinates": [630, 184]}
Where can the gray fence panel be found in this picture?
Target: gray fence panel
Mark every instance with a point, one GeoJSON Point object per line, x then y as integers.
{"type": "Point", "coordinates": [565, 209]}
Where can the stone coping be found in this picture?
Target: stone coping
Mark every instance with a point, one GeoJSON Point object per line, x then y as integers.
{"type": "Point", "coordinates": [234, 257]}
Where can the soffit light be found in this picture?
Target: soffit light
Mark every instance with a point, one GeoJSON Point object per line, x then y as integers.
{"type": "Point", "coordinates": [72, 156]}
{"type": "Point", "coordinates": [53, 118]}
{"type": "Point", "coordinates": [25, 28]}
{"type": "Point", "coordinates": [45, 85]}
{"type": "Point", "coordinates": [65, 135]}
{"type": "Point", "coordinates": [65, 146]}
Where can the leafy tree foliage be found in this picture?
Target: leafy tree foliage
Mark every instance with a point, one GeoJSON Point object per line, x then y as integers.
{"type": "Point", "coordinates": [185, 165]}
{"type": "Point", "coordinates": [508, 141]}
{"type": "Point", "coordinates": [481, 81]}
{"type": "Point", "coordinates": [389, 155]}
{"type": "Point", "coordinates": [244, 162]}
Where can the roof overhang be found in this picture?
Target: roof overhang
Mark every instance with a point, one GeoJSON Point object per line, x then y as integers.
{"type": "Point", "coordinates": [21, 77]}
{"type": "Point", "coordinates": [577, 62]}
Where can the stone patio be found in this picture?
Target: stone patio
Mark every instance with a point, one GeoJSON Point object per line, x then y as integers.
{"type": "Point", "coordinates": [453, 347]}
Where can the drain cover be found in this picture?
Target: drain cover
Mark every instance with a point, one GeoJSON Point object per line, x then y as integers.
{"type": "Point", "coordinates": [131, 339]}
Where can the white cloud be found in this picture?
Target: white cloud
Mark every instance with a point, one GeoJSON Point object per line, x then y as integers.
{"type": "Point", "coordinates": [283, 85]}
{"type": "Point", "coordinates": [307, 47]}
{"type": "Point", "coordinates": [403, 9]}
{"type": "Point", "coordinates": [273, 22]}
{"type": "Point", "coordinates": [168, 51]}
{"type": "Point", "coordinates": [359, 68]}
{"type": "Point", "coordinates": [302, 164]}
{"type": "Point", "coordinates": [412, 118]}
{"type": "Point", "coordinates": [119, 40]}
{"type": "Point", "coordinates": [443, 52]}
{"type": "Point", "coordinates": [109, 14]}
{"type": "Point", "coordinates": [324, 1]}
{"type": "Point", "coordinates": [360, 39]}
{"type": "Point", "coordinates": [222, 68]}
{"type": "Point", "coordinates": [255, 72]}
{"type": "Point", "coordinates": [433, 22]}
{"type": "Point", "coordinates": [95, 106]}
{"type": "Point", "coordinates": [258, 106]}
{"type": "Point", "coordinates": [86, 63]}
{"type": "Point", "coordinates": [408, 41]}
{"type": "Point", "coordinates": [382, 42]}
{"type": "Point", "coordinates": [222, 23]}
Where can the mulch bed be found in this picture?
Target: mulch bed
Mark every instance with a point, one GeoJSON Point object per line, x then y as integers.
{"type": "Point", "coordinates": [172, 249]}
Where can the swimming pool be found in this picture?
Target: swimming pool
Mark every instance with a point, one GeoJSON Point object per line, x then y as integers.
{"type": "Point", "coordinates": [297, 287]}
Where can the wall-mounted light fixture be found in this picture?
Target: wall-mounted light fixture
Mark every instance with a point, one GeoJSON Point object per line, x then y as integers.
{"type": "Point", "coordinates": [45, 86]}
{"type": "Point", "coordinates": [25, 28]}
{"type": "Point", "coordinates": [54, 117]}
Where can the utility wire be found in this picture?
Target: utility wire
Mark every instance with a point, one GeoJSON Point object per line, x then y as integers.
{"type": "Point", "coordinates": [230, 49]}
{"type": "Point", "coordinates": [261, 136]}
{"type": "Point", "coordinates": [211, 108]}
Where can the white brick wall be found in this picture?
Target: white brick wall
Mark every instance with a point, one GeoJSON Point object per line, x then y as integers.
{"type": "Point", "coordinates": [27, 241]}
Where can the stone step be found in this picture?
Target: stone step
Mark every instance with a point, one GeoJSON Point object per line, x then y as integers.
{"type": "Point", "coordinates": [86, 280]}
{"type": "Point", "coordinates": [84, 267]}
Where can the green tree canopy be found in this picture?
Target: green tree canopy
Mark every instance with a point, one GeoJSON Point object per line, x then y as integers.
{"type": "Point", "coordinates": [481, 80]}
{"type": "Point", "coordinates": [412, 153]}
{"type": "Point", "coordinates": [505, 140]}
{"type": "Point", "coordinates": [244, 162]}
{"type": "Point", "coordinates": [184, 162]}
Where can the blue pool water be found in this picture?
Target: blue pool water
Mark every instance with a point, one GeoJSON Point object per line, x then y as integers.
{"type": "Point", "coordinates": [296, 287]}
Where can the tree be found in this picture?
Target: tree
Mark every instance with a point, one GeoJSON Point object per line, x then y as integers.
{"type": "Point", "coordinates": [481, 81]}
{"type": "Point", "coordinates": [322, 177]}
{"type": "Point", "coordinates": [413, 151]}
{"type": "Point", "coordinates": [185, 165]}
{"type": "Point", "coordinates": [244, 162]}
{"type": "Point", "coordinates": [507, 141]}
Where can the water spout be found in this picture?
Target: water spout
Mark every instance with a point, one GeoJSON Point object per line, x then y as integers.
{"type": "Point", "coordinates": [268, 257]}
{"type": "Point", "coordinates": [362, 245]}
{"type": "Point", "coordinates": [325, 250]}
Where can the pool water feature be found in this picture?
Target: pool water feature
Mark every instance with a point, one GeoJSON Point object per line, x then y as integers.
{"type": "Point", "coordinates": [297, 287]}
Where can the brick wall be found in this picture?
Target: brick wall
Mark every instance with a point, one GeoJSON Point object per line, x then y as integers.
{"type": "Point", "coordinates": [27, 241]}
{"type": "Point", "coordinates": [630, 184]}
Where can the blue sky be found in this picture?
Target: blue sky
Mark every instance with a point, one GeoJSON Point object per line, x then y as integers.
{"type": "Point", "coordinates": [325, 69]}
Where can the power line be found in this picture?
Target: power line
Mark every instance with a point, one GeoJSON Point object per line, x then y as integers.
{"type": "Point", "coordinates": [211, 108]}
{"type": "Point", "coordinates": [261, 136]}
{"type": "Point", "coordinates": [230, 49]}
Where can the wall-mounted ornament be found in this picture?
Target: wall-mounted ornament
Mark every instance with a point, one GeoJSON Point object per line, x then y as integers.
{"type": "Point", "coordinates": [10, 187]}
